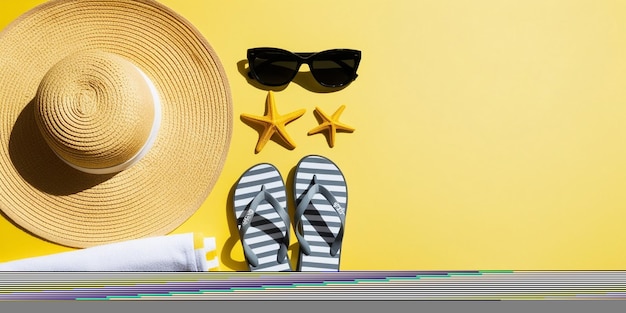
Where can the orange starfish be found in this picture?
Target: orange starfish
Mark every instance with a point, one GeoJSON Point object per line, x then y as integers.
{"type": "Point", "coordinates": [331, 124]}
{"type": "Point", "coordinates": [273, 123]}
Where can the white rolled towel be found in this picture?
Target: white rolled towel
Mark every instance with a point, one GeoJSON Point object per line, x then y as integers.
{"type": "Point", "coordinates": [190, 252]}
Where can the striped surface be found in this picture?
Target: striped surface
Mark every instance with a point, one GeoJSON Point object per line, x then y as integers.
{"type": "Point", "coordinates": [320, 222]}
{"type": "Point", "coordinates": [267, 229]}
{"type": "Point", "coordinates": [345, 285]}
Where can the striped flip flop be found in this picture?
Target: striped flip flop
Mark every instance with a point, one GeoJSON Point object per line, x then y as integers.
{"type": "Point", "coordinates": [321, 197]}
{"type": "Point", "coordinates": [259, 204]}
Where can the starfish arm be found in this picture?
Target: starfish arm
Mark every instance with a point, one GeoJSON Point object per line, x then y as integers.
{"type": "Point", "coordinates": [284, 120]}
{"type": "Point", "coordinates": [265, 124]}
{"type": "Point", "coordinates": [344, 127]}
{"type": "Point", "coordinates": [336, 115]}
{"type": "Point", "coordinates": [286, 138]}
{"type": "Point", "coordinates": [261, 120]}
{"type": "Point", "coordinates": [323, 115]}
{"type": "Point", "coordinates": [322, 127]}
{"type": "Point", "coordinates": [264, 138]}
{"type": "Point", "coordinates": [270, 106]}
{"type": "Point", "coordinates": [288, 118]}
{"type": "Point", "coordinates": [333, 134]}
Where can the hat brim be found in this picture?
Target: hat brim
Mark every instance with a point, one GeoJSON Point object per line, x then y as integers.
{"type": "Point", "coordinates": [48, 198]}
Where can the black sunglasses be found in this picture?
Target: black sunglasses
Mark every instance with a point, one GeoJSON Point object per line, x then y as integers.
{"type": "Point", "coordinates": [277, 67]}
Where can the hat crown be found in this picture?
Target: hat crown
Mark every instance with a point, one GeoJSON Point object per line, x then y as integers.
{"type": "Point", "coordinates": [95, 110]}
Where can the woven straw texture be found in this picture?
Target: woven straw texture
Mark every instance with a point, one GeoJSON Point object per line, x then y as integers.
{"type": "Point", "coordinates": [50, 199]}
{"type": "Point", "coordinates": [94, 109]}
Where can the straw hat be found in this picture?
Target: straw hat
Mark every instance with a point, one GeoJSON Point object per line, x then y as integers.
{"type": "Point", "coordinates": [115, 120]}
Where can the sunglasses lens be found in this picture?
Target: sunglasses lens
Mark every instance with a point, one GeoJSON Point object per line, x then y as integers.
{"type": "Point", "coordinates": [335, 68]}
{"type": "Point", "coordinates": [274, 68]}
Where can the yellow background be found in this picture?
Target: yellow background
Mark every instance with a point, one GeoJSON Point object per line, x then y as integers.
{"type": "Point", "coordinates": [490, 134]}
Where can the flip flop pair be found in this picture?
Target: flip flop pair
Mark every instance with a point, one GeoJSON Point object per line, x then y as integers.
{"type": "Point", "coordinates": [260, 202]}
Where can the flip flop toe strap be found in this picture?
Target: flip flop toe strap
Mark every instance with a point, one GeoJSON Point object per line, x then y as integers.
{"type": "Point", "coordinates": [305, 201]}
{"type": "Point", "coordinates": [249, 212]}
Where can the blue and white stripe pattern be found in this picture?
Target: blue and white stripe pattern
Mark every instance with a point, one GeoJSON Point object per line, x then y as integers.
{"type": "Point", "coordinates": [321, 221]}
{"type": "Point", "coordinates": [267, 229]}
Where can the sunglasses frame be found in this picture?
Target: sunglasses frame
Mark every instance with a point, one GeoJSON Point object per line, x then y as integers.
{"type": "Point", "coordinates": [303, 58]}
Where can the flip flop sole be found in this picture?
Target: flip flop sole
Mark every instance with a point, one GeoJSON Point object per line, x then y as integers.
{"type": "Point", "coordinates": [320, 221]}
{"type": "Point", "coordinates": [267, 229]}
